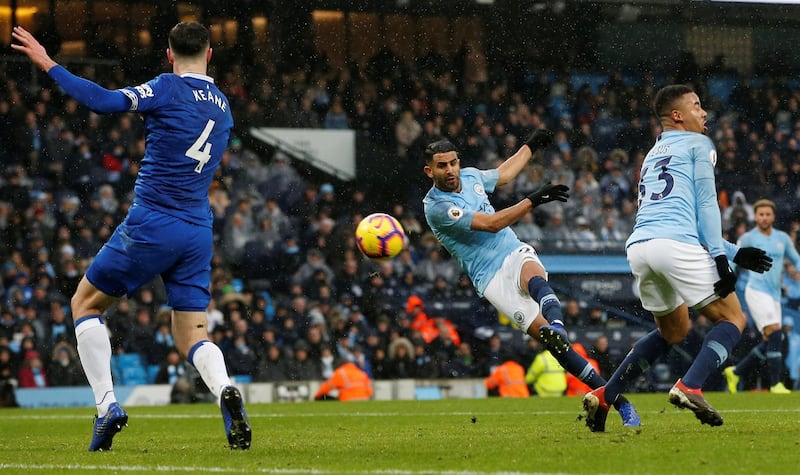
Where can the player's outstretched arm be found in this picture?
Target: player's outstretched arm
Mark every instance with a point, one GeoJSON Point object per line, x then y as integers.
{"type": "Point", "coordinates": [509, 169]}
{"type": "Point", "coordinates": [549, 192]}
{"type": "Point", "coordinates": [32, 48]}
{"type": "Point", "coordinates": [88, 93]}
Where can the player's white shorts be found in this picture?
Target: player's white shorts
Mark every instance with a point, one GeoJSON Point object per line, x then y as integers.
{"type": "Point", "coordinates": [504, 292]}
{"type": "Point", "coordinates": [669, 273]}
{"type": "Point", "coordinates": [764, 310]}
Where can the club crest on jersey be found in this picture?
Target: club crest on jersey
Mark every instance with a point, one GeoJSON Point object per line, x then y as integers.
{"type": "Point", "coordinates": [518, 317]}
{"type": "Point", "coordinates": [478, 189]}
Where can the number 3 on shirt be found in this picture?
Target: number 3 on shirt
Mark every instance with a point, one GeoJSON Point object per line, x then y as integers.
{"type": "Point", "coordinates": [664, 176]}
{"type": "Point", "coordinates": [201, 148]}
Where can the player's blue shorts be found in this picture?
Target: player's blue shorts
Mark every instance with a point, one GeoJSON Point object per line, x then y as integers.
{"type": "Point", "coordinates": [150, 243]}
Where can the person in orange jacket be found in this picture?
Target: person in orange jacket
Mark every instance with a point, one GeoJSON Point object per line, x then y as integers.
{"type": "Point", "coordinates": [576, 387]}
{"type": "Point", "coordinates": [438, 325]}
{"type": "Point", "coordinates": [509, 380]}
{"type": "Point", "coordinates": [415, 309]}
{"type": "Point", "coordinates": [351, 381]}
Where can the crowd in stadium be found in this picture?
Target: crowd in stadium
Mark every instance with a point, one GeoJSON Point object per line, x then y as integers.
{"type": "Point", "coordinates": [292, 294]}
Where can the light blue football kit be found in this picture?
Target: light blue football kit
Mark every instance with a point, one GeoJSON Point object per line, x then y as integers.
{"type": "Point", "coordinates": [450, 214]}
{"type": "Point", "coordinates": [677, 194]}
{"type": "Point", "coordinates": [168, 229]}
{"type": "Point", "coordinates": [778, 245]}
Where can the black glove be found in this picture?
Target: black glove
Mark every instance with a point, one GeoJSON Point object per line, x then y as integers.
{"type": "Point", "coordinates": [727, 279]}
{"type": "Point", "coordinates": [539, 139]}
{"type": "Point", "coordinates": [754, 259]}
{"type": "Point", "coordinates": [548, 193]}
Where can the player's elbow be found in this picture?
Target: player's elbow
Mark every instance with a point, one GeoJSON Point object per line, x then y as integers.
{"type": "Point", "coordinates": [487, 223]}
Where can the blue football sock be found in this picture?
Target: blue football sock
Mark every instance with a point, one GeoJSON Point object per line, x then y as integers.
{"type": "Point", "coordinates": [715, 350]}
{"type": "Point", "coordinates": [756, 355]}
{"type": "Point", "coordinates": [541, 292]}
{"type": "Point", "coordinates": [577, 365]}
{"type": "Point", "coordinates": [774, 357]}
{"type": "Point", "coordinates": [636, 362]}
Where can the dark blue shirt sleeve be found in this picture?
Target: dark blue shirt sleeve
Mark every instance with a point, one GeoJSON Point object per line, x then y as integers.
{"type": "Point", "coordinates": [90, 94]}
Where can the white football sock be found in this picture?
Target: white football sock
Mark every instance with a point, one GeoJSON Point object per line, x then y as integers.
{"type": "Point", "coordinates": [210, 363]}
{"type": "Point", "coordinates": [94, 349]}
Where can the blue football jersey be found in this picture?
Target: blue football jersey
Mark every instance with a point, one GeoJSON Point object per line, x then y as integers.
{"type": "Point", "coordinates": [677, 193]}
{"type": "Point", "coordinates": [187, 125]}
{"type": "Point", "coordinates": [450, 214]}
{"type": "Point", "coordinates": [778, 245]}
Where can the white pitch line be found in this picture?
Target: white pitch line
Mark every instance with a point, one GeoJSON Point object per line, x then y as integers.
{"type": "Point", "coordinates": [88, 414]}
{"type": "Point", "coordinates": [279, 471]}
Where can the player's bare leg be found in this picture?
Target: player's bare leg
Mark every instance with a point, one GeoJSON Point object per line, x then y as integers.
{"type": "Point", "coordinates": [190, 330]}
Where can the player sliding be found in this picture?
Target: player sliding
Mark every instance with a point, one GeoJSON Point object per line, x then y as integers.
{"type": "Point", "coordinates": [167, 231]}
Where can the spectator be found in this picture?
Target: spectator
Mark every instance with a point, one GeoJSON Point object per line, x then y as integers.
{"type": "Point", "coordinates": [272, 367]}
{"type": "Point", "coordinates": [32, 373]}
{"type": "Point", "coordinates": [462, 364]}
{"type": "Point", "coordinates": [415, 310]}
{"type": "Point", "coordinates": [600, 353]}
{"type": "Point", "coordinates": [301, 367]}
{"type": "Point", "coordinates": [336, 118]}
{"type": "Point", "coordinates": [240, 358]}
{"type": "Point", "coordinates": [172, 368]}
{"type": "Point", "coordinates": [508, 380]}
{"type": "Point", "coordinates": [424, 365]}
{"type": "Point", "coordinates": [8, 379]}
{"type": "Point", "coordinates": [546, 375]}
{"type": "Point", "coordinates": [328, 362]}
{"type": "Point", "coordinates": [528, 231]}
{"type": "Point", "coordinates": [65, 369]}
{"type": "Point", "coordinates": [350, 382]}
{"type": "Point", "coordinates": [401, 363]}
{"type": "Point", "coordinates": [584, 237]}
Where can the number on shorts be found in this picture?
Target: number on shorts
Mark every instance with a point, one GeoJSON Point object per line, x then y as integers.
{"type": "Point", "coordinates": [201, 148]}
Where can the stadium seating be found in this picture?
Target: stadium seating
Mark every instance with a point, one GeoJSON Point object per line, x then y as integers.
{"type": "Point", "coordinates": [128, 369]}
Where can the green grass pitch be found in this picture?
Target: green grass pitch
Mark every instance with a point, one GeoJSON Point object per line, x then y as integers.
{"type": "Point", "coordinates": [761, 434]}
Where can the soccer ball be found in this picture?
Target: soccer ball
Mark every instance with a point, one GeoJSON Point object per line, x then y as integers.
{"type": "Point", "coordinates": [380, 236]}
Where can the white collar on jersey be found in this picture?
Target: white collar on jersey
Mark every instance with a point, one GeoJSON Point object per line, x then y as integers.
{"type": "Point", "coordinates": [198, 76]}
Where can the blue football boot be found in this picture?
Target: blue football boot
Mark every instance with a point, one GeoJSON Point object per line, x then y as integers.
{"type": "Point", "coordinates": [237, 427]}
{"type": "Point", "coordinates": [630, 418]}
{"type": "Point", "coordinates": [106, 427]}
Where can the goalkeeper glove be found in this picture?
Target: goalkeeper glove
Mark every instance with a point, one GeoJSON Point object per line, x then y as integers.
{"type": "Point", "coordinates": [539, 139]}
{"type": "Point", "coordinates": [754, 259]}
{"type": "Point", "coordinates": [727, 279]}
{"type": "Point", "coordinates": [548, 193]}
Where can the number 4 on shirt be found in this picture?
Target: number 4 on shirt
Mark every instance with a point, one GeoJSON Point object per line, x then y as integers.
{"type": "Point", "coordinates": [201, 148]}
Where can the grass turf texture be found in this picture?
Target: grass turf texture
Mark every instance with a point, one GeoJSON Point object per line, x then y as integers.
{"type": "Point", "coordinates": [761, 434]}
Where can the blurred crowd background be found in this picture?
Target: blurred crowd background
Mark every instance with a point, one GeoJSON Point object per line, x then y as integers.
{"type": "Point", "coordinates": [293, 297]}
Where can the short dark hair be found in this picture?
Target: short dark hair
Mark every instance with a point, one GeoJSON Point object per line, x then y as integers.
{"type": "Point", "coordinates": [188, 38]}
{"type": "Point", "coordinates": [440, 146]}
{"type": "Point", "coordinates": [666, 97]}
